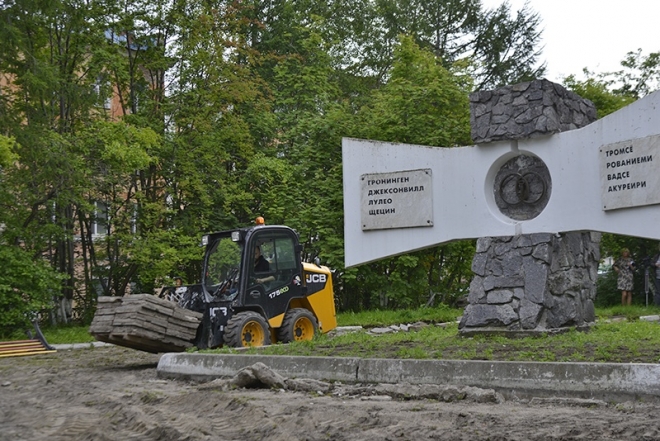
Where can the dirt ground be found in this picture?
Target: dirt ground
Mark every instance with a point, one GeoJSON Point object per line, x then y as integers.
{"type": "Point", "coordinates": [113, 393]}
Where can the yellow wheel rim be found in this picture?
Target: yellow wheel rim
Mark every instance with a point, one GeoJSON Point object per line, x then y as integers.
{"type": "Point", "coordinates": [253, 334]}
{"type": "Point", "coordinates": [303, 329]}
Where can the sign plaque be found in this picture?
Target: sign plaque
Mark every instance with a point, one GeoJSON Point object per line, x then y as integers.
{"type": "Point", "coordinates": [402, 199]}
{"type": "Point", "coordinates": [629, 173]}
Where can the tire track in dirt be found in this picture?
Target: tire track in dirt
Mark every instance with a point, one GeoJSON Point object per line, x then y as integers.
{"type": "Point", "coordinates": [113, 394]}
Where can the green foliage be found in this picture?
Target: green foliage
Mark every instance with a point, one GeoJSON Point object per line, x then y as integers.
{"type": "Point", "coordinates": [422, 103]}
{"type": "Point", "coordinates": [640, 74]}
{"type": "Point", "coordinates": [606, 292]}
{"type": "Point", "coordinates": [7, 156]}
{"type": "Point", "coordinates": [264, 189]}
{"type": "Point", "coordinates": [27, 287]}
{"type": "Point", "coordinates": [124, 148]}
{"type": "Point", "coordinates": [598, 89]}
{"type": "Point", "coordinates": [506, 46]}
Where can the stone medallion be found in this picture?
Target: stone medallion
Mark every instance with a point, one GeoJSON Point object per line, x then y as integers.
{"type": "Point", "coordinates": [522, 187]}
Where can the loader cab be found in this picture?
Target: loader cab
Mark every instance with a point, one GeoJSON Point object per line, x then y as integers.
{"type": "Point", "coordinates": [222, 264]}
{"type": "Point", "coordinates": [232, 274]}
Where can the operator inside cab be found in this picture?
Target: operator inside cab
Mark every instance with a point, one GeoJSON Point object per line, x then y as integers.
{"type": "Point", "coordinates": [261, 265]}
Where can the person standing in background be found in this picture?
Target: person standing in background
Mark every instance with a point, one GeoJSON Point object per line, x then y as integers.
{"type": "Point", "coordinates": [624, 267]}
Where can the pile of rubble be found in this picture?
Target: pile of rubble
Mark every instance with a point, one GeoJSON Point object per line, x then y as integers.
{"type": "Point", "coordinates": [261, 376]}
{"type": "Point", "coordinates": [403, 327]}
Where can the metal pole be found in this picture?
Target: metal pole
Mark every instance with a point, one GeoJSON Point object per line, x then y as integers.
{"type": "Point", "coordinates": [646, 285]}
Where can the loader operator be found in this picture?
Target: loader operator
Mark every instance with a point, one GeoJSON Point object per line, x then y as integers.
{"type": "Point", "coordinates": [261, 265]}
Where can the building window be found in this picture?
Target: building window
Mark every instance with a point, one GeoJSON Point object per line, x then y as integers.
{"type": "Point", "coordinates": [100, 219]}
{"type": "Point", "coordinates": [100, 88]}
{"type": "Point", "coordinates": [134, 215]}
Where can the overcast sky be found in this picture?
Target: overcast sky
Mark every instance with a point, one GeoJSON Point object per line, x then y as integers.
{"type": "Point", "coordinates": [595, 34]}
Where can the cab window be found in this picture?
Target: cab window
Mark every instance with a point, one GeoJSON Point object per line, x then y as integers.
{"type": "Point", "coordinates": [223, 259]}
{"type": "Point", "coordinates": [274, 260]}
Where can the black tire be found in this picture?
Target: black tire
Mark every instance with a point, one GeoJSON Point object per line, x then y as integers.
{"type": "Point", "coordinates": [247, 329]}
{"type": "Point", "coordinates": [299, 324]}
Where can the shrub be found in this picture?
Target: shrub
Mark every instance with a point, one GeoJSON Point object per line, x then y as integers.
{"type": "Point", "coordinates": [26, 287]}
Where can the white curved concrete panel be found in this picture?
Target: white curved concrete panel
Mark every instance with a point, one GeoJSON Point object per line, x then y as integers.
{"type": "Point", "coordinates": [462, 179]}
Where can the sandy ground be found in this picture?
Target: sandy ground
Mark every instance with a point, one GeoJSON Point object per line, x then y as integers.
{"type": "Point", "coordinates": [113, 393]}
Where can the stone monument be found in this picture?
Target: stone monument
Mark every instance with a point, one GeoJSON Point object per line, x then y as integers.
{"type": "Point", "coordinates": [529, 282]}
{"type": "Point", "coordinates": [540, 185]}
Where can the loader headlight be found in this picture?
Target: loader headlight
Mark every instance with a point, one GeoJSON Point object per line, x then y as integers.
{"type": "Point", "coordinates": [235, 236]}
{"type": "Point", "coordinates": [205, 240]}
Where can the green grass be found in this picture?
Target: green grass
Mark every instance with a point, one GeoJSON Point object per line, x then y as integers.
{"type": "Point", "coordinates": [68, 334]}
{"type": "Point", "coordinates": [623, 341]}
{"type": "Point", "coordinates": [439, 314]}
{"type": "Point", "coordinates": [58, 335]}
{"type": "Point", "coordinates": [630, 312]}
{"type": "Point", "coordinates": [627, 341]}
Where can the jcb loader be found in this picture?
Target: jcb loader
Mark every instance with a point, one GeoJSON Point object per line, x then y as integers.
{"type": "Point", "coordinates": [254, 290]}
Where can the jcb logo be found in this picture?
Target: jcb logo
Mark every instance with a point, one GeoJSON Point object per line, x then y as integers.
{"type": "Point", "coordinates": [316, 278]}
{"type": "Point", "coordinates": [213, 312]}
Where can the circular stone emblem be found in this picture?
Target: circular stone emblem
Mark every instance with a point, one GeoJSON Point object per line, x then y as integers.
{"type": "Point", "coordinates": [522, 187]}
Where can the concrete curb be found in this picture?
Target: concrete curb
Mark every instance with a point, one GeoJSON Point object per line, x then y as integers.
{"type": "Point", "coordinates": [603, 381]}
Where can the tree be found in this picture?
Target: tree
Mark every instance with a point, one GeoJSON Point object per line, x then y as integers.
{"type": "Point", "coordinates": [502, 48]}
{"type": "Point", "coordinates": [27, 287]}
{"type": "Point", "coordinates": [51, 95]}
{"type": "Point", "coordinates": [107, 218]}
{"type": "Point", "coordinates": [599, 90]}
{"type": "Point", "coordinates": [640, 74]}
{"type": "Point", "coordinates": [27, 282]}
{"type": "Point", "coordinates": [422, 103]}
{"type": "Point", "coordinates": [505, 49]}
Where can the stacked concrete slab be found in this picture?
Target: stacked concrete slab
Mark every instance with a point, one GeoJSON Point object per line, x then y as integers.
{"type": "Point", "coordinates": [144, 322]}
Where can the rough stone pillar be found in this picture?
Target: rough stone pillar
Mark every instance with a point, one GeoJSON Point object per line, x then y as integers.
{"type": "Point", "coordinates": [527, 110]}
{"type": "Point", "coordinates": [537, 282]}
